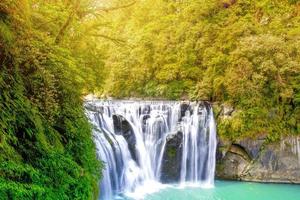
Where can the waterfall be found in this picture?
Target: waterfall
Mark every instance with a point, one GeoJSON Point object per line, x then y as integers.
{"type": "Point", "coordinates": [199, 139]}
{"type": "Point", "coordinates": [131, 137]}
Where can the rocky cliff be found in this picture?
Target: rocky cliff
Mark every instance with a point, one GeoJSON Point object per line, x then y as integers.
{"type": "Point", "coordinates": [259, 160]}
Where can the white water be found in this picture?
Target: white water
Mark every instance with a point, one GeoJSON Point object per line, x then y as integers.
{"type": "Point", "coordinates": [199, 139]}
{"type": "Point", "coordinates": [139, 171]}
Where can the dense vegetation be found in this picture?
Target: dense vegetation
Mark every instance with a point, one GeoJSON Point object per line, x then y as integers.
{"type": "Point", "coordinates": [240, 53]}
{"type": "Point", "coordinates": [46, 147]}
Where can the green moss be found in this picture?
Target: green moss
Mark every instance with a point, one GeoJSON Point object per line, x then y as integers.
{"type": "Point", "coordinates": [171, 151]}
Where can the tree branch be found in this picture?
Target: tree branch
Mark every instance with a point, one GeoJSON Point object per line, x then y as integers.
{"type": "Point", "coordinates": [103, 9]}
{"type": "Point", "coordinates": [63, 29]}
{"type": "Point", "coordinates": [115, 40]}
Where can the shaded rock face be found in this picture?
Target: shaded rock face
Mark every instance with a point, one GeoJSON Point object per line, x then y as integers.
{"type": "Point", "coordinates": [257, 160]}
{"type": "Point", "coordinates": [171, 163]}
{"type": "Point", "coordinates": [184, 107]}
{"type": "Point", "coordinates": [252, 147]}
{"type": "Point", "coordinates": [232, 164]}
{"type": "Point", "coordinates": [122, 127]}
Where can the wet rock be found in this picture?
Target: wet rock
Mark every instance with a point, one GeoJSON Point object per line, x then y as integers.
{"type": "Point", "coordinates": [92, 107]}
{"type": "Point", "coordinates": [171, 163]}
{"type": "Point", "coordinates": [122, 127]}
{"type": "Point", "coordinates": [184, 107]}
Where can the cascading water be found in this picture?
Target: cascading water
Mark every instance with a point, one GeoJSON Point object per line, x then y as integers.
{"type": "Point", "coordinates": [131, 138]}
{"type": "Point", "coordinates": [199, 146]}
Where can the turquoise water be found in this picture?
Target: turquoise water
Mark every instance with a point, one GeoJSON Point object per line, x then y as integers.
{"type": "Point", "coordinates": [228, 190]}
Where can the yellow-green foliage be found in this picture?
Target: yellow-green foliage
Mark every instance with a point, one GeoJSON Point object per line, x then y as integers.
{"type": "Point", "coordinates": [46, 147]}
{"type": "Point", "coordinates": [240, 52]}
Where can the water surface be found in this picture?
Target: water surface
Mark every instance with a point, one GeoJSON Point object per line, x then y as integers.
{"type": "Point", "coordinates": [227, 190]}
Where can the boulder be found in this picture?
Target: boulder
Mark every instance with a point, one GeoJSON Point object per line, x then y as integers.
{"type": "Point", "coordinates": [171, 162]}
{"type": "Point", "coordinates": [123, 127]}
{"type": "Point", "coordinates": [233, 164]}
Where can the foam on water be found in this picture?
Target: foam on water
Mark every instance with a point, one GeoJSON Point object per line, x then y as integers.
{"type": "Point", "coordinates": [228, 190]}
{"type": "Point", "coordinates": [146, 188]}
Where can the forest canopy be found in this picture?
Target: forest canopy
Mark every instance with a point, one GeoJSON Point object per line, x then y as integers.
{"type": "Point", "coordinates": [241, 53]}
{"type": "Point", "coordinates": [46, 146]}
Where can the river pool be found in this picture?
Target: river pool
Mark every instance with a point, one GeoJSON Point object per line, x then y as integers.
{"type": "Point", "coordinates": [223, 190]}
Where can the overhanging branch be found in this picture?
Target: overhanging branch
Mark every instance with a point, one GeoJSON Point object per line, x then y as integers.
{"type": "Point", "coordinates": [115, 40]}
{"type": "Point", "coordinates": [114, 8]}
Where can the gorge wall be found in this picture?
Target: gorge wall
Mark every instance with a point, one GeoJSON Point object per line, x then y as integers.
{"type": "Point", "coordinates": [258, 160]}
